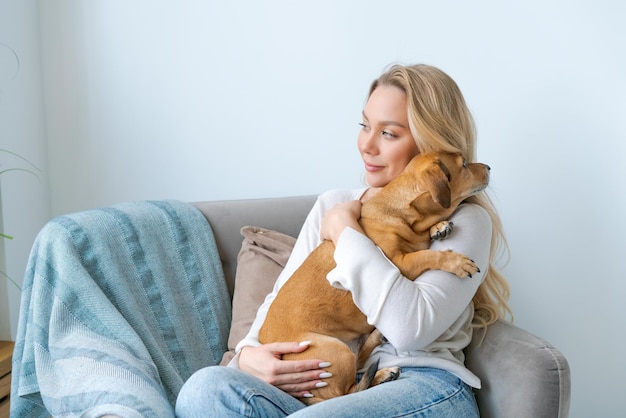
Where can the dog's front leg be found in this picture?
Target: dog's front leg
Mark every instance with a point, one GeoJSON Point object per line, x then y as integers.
{"type": "Point", "coordinates": [413, 264]}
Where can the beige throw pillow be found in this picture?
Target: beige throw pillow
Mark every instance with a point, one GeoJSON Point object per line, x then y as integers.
{"type": "Point", "coordinates": [262, 257]}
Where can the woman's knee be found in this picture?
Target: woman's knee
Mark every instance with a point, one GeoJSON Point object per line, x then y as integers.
{"type": "Point", "coordinates": [224, 392]}
{"type": "Point", "coordinates": [210, 375]}
{"type": "Point", "coordinates": [200, 387]}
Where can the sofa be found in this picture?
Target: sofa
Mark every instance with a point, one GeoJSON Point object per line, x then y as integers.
{"type": "Point", "coordinates": [150, 357]}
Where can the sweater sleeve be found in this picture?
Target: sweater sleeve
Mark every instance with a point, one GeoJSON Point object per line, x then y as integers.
{"type": "Point", "coordinates": [413, 314]}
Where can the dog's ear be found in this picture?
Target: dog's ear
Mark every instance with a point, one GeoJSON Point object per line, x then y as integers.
{"type": "Point", "coordinates": [437, 178]}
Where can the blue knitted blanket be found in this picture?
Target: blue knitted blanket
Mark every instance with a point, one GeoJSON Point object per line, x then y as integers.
{"type": "Point", "coordinates": [120, 306]}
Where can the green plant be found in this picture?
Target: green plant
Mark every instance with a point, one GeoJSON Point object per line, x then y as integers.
{"type": "Point", "coordinates": [34, 170]}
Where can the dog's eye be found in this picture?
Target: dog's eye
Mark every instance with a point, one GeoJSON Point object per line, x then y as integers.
{"type": "Point", "coordinates": [464, 163]}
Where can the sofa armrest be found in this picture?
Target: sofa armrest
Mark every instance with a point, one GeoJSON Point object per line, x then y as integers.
{"type": "Point", "coordinates": [522, 375]}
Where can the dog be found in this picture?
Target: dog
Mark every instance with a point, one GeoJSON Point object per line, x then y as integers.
{"type": "Point", "coordinates": [401, 219]}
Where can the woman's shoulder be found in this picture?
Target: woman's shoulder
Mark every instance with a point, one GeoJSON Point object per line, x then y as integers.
{"type": "Point", "coordinates": [332, 197]}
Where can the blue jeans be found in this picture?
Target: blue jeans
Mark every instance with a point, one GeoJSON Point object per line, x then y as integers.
{"type": "Point", "coordinates": [420, 392]}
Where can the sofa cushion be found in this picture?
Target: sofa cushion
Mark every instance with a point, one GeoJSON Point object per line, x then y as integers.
{"type": "Point", "coordinates": [262, 257]}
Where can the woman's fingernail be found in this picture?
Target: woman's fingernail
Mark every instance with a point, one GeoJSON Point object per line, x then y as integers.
{"type": "Point", "coordinates": [325, 375]}
{"type": "Point", "coordinates": [321, 384]}
{"type": "Point", "coordinates": [307, 395]}
{"type": "Point", "coordinates": [324, 364]}
{"type": "Point", "coordinates": [303, 343]}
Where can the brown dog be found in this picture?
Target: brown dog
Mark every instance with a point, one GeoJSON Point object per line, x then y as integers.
{"type": "Point", "coordinates": [400, 219]}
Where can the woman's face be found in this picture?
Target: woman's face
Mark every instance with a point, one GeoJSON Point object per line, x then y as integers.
{"type": "Point", "coordinates": [385, 142]}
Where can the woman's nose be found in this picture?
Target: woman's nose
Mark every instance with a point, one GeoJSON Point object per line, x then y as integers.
{"type": "Point", "coordinates": [367, 143]}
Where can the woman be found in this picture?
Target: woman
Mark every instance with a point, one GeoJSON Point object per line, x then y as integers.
{"type": "Point", "coordinates": [427, 322]}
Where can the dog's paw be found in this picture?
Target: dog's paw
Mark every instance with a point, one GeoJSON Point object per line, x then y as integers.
{"type": "Point", "coordinates": [460, 265]}
{"type": "Point", "coordinates": [387, 374]}
{"type": "Point", "coordinates": [441, 230]}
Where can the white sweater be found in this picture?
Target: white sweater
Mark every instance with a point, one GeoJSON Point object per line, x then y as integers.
{"type": "Point", "coordinates": [427, 321]}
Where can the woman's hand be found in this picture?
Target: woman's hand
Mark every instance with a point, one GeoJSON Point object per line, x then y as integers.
{"type": "Point", "coordinates": [338, 218]}
{"type": "Point", "coordinates": [296, 377]}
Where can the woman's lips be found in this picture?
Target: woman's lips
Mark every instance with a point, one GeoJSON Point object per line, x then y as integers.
{"type": "Point", "coordinates": [372, 168]}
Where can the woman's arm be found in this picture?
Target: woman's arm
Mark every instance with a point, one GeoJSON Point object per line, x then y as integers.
{"type": "Point", "coordinates": [413, 314]}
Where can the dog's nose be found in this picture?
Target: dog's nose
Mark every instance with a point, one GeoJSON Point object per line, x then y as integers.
{"type": "Point", "coordinates": [488, 168]}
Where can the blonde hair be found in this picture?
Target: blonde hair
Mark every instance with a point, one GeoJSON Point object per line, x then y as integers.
{"type": "Point", "coordinates": [440, 120]}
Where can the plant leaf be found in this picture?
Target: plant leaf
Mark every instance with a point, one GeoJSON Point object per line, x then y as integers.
{"type": "Point", "coordinates": [11, 280]}
{"type": "Point", "coordinates": [21, 158]}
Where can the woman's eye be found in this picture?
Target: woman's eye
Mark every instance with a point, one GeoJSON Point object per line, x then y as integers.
{"type": "Point", "coordinates": [364, 126]}
{"type": "Point", "coordinates": [388, 134]}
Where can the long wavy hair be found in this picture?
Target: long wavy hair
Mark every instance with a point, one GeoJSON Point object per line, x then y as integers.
{"type": "Point", "coordinates": [440, 120]}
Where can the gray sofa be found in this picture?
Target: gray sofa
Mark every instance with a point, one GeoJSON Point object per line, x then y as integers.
{"type": "Point", "coordinates": [522, 375]}
{"type": "Point", "coordinates": [121, 305]}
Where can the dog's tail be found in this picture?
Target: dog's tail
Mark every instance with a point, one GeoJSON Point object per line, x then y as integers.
{"type": "Point", "coordinates": [367, 378]}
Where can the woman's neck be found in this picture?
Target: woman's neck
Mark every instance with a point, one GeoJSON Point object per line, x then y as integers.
{"type": "Point", "coordinates": [369, 193]}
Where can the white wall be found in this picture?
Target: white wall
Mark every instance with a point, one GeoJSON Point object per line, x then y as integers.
{"type": "Point", "coordinates": [199, 100]}
{"type": "Point", "coordinates": [24, 204]}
